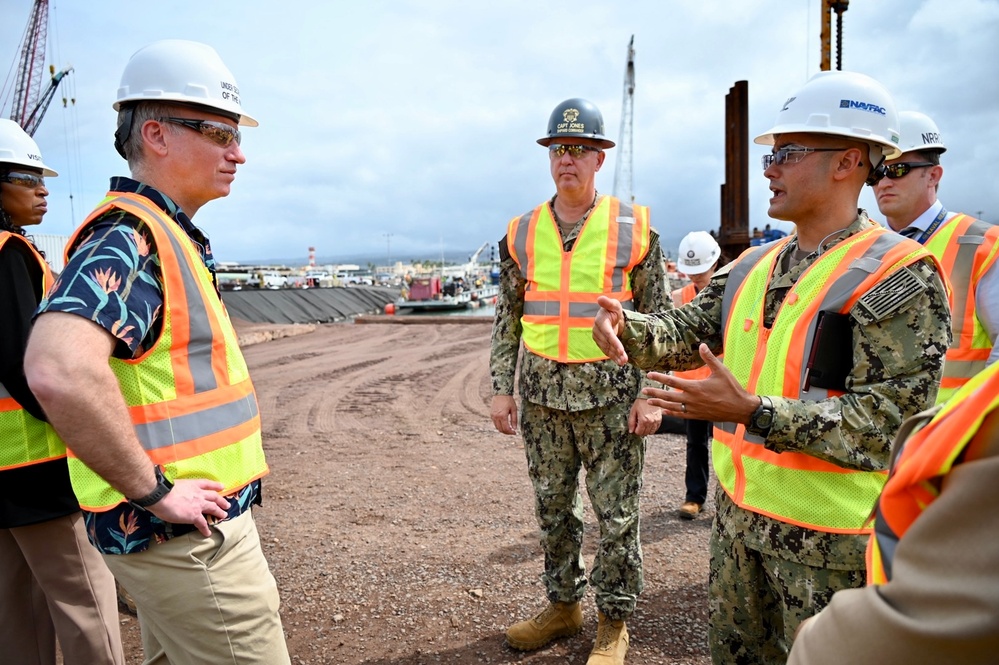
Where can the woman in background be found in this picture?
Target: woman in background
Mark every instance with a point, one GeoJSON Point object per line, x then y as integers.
{"type": "Point", "coordinates": [53, 583]}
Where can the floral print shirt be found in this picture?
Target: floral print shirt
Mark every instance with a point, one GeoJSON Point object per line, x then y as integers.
{"type": "Point", "coordinates": [113, 279]}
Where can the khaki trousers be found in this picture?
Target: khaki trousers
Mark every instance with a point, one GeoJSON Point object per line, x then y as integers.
{"type": "Point", "coordinates": [205, 600]}
{"type": "Point", "coordinates": [53, 584]}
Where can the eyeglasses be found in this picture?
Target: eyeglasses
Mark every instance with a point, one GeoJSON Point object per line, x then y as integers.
{"type": "Point", "coordinates": [29, 180]}
{"type": "Point", "coordinates": [216, 132]}
{"type": "Point", "coordinates": [575, 151]}
{"type": "Point", "coordinates": [900, 170]}
{"type": "Point", "coordinates": [792, 155]}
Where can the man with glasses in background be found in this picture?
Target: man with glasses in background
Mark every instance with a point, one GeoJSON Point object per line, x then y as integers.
{"type": "Point", "coordinates": [967, 248]}
{"type": "Point", "coordinates": [578, 409]}
{"type": "Point", "coordinates": [136, 363]}
{"type": "Point", "coordinates": [831, 338]}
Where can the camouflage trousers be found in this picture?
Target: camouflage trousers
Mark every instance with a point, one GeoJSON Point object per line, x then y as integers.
{"type": "Point", "coordinates": [758, 600]}
{"type": "Point", "coordinates": [559, 443]}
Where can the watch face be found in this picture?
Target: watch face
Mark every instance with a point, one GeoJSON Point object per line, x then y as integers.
{"type": "Point", "coordinates": [765, 419]}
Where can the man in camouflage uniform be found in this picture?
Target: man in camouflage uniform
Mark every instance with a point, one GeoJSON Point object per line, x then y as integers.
{"type": "Point", "coordinates": [582, 410]}
{"type": "Point", "coordinates": [769, 571]}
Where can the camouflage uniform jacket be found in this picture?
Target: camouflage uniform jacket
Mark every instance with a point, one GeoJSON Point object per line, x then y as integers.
{"type": "Point", "coordinates": [568, 386]}
{"type": "Point", "coordinates": [897, 365]}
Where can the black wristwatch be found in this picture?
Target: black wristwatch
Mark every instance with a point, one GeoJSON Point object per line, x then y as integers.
{"type": "Point", "coordinates": [163, 487]}
{"type": "Point", "coordinates": [762, 419]}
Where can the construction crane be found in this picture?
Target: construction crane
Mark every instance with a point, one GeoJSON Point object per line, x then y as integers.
{"type": "Point", "coordinates": [30, 101]}
{"type": "Point", "coordinates": [622, 170]}
{"type": "Point", "coordinates": [828, 7]}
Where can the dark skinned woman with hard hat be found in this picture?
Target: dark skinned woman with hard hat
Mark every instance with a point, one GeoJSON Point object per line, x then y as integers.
{"type": "Point", "coordinates": [53, 585]}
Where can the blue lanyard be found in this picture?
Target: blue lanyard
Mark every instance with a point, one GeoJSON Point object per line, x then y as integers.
{"type": "Point", "coordinates": [925, 235]}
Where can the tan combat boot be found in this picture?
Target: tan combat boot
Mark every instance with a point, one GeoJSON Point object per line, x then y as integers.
{"type": "Point", "coordinates": [611, 643]}
{"type": "Point", "coordinates": [556, 620]}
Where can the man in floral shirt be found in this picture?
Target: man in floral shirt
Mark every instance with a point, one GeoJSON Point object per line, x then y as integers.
{"type": "Point", "coordinates": [136, 363]}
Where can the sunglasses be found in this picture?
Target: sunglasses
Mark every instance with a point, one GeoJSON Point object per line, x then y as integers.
{"type": "Point", "coordinates": [792, 155]}
{"type": "Point", "coordinates": [29, 180]}
{"type": "Point", "coordinates": [216, 132]}
{"type": "Point", "coordinates": [900, 170]}
{"type": "Point", "coordinates": [575, 151]}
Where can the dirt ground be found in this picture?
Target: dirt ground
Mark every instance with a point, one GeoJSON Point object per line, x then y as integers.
{"type": "Point", "coordinates": [399, 524]}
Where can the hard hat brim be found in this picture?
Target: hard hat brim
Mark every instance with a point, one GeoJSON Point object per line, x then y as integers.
{"type": "Point", "coordinates": [603, 144]}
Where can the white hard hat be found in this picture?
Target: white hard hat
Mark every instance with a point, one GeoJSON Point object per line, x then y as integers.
{"type": "Point", "coordinates": [698, 253]}
{"type": "Point", "coordinates": [842, 104]}
{"type": "Point", "coordinates": [177, 70]}
{"type": "Point", "coordinates": [16, 147]}
{"type": "Point", "coordinates": [919, 132]}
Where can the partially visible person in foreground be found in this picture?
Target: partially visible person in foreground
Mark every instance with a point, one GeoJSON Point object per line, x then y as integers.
{"type": "Point", "coordinates": [135, 361]}
{"type": "Point", "coordinates": [933, 583]}
{"type": "Point", "coordinates": [53, 585]}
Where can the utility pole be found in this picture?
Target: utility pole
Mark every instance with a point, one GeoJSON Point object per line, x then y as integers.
{"type": "Point", "coordinates": [622, 170]}
{"type": "Point", "coordinates": [388, 249]}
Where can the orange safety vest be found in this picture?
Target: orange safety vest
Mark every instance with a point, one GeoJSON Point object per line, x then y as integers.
{"type": "Point", "coordinates": [189, 396]}
{"type": "Point", "coordinates": [560, 300]}
{"type": "Point", "coordinates": [25, 440]}
{"type": "Point", "coordinates": [923, 461]}
{"type": "Point", "coordinates": [796, 488]}
{"type": "Point", "coordinates": [966, 248]}
{"type": "Point", "coordinates": [681, 297]}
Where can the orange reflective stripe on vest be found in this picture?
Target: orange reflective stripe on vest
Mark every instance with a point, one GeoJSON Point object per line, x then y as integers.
{"type": "Point", "coordinates": [25, 440]}
{"type": "Point", "coordinates": [189, 396]}
{"type": "Point", "coordinates": [560, 299]}
{"type": "Point", "coordinates": [922, 463]}
{"type": "Point", "coordinates": [794, 487]}
{"type": "Point", "coordinates": [967, 248]}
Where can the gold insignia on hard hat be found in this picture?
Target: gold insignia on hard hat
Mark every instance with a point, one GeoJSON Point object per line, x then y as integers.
{"type": "Point", "coordinates": [570, 115]}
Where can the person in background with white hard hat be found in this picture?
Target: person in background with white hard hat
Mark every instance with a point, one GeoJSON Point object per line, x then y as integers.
{"type": "Point", "coordinates": [53, 585]}
{"type": "Point", "coordinates": [136, 363]}
{"type": "Point", "coordinates": [578, 409]}
{"type": "Point", "coordinates": [698, 257]}
{"type": "Point", "coordinates": [967, 248]}
{"type": "Point", "coordinates": [831, 336]}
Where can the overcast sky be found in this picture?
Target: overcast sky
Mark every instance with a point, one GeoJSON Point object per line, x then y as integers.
{"type": "Point", "coordinates": [419, 119]}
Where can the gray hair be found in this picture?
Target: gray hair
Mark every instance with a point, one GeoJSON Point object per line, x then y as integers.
{"type": "Point", "coordinates": [141, 113]}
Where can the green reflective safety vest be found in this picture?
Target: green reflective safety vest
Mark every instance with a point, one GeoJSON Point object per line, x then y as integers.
{"type": "Point", "coordinates": [796, 488]}
{"type": "Point", "coordinates": [189, 396]}
{"type": "Point", "coordinates": [24, 439]}
{"type": "Point", "coordinates": [560, 299]}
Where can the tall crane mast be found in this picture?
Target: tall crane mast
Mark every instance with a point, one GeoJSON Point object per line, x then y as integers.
{"type": "Point", "coordinates": [622, 170]}
{"type": "Point", "coordinates": [828, 7]}
{"type": "Point", "coordinates": [30, 102]}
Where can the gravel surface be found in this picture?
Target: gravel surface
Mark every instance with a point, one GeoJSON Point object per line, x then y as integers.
{"type": "Point", "coordinates": [399, 524]}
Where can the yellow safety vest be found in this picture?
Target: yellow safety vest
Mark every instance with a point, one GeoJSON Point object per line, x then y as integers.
{"type": "Point", "coordinates": [190, 397]}
{"type": "Point", "coordinates": [966, 248]}
{"type": "Point", "coordinates": [794, 487]}
{"type": "Point", "coordinates": [560, 300]}
{"type": "Point", "coordinates": [925, 459]}
{"type": "Point", "coordinates": [24, 439]}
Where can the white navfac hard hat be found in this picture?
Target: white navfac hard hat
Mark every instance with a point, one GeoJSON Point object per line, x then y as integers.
{"type": "Point", "coordinates": [842, 104]}
{"type": "Point", "coordinates": [16, 147]}
{"type": "Point", "coordinates": [919, 132]}
{"type": "Point", "coordinates": [698, 253]}
{"type": "Point", "coordinates": [177, 70]}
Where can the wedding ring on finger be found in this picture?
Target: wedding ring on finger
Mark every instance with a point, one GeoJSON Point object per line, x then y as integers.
{"type": "Point", "coordinates": [683, 407]}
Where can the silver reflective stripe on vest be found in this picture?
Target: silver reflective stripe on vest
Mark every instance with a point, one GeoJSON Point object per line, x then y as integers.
{"type": "Point", "coordinates": [520, 242]}
{"type": "Point", "coordinates": [887, 542]}
{"type": "Point", "coordinates": [4, 393]}
{"type": "Point", "coordinates": [960, 276]}
{"type": "Point", "coordinates": [199, 347]}
{"type": "Point", "coordinates": [576, 309]}
{"type": "Point", "coordinates": [625, 238]}
{"type": "Point", "coordinates": [181, 429]}
{"type": "Point", "coordinates": [736, 276]}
